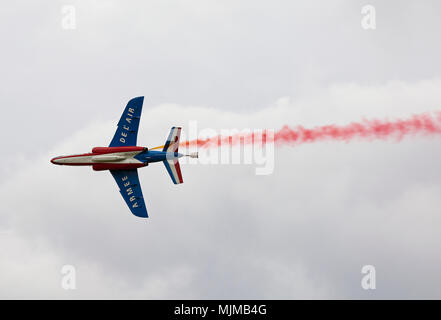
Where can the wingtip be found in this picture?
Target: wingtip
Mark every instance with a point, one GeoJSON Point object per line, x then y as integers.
{"type": "Point", "coordinates": [137, 99]}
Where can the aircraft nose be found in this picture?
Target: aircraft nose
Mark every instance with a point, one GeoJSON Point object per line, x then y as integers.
{"type": "Point", "coordinates": [54, 160]}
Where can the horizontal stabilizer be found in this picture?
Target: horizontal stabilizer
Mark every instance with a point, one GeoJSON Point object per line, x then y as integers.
{"type": "Point", "coordinates": [174, 170]}
{"type": "Point", "coordinates": [172, 163]}
{"type": "Point", "coordinates": [172, 143]}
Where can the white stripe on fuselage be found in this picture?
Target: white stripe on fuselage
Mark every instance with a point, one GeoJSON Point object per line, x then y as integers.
{"type": "Point", "coordinates": [127, 157]}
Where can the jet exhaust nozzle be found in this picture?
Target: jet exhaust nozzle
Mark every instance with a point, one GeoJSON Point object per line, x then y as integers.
{"type": "Point", "coordinates": [193, 155]}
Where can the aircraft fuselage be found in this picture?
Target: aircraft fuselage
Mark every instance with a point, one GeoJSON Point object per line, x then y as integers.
{"type": "Point", "coordinates": [116, 158]}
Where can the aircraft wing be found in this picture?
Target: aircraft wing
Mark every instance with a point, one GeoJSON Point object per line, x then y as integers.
{"type": "Point", "coordinates": [130, 189]}
{"type": "Point", "coordinates": [127, 132]}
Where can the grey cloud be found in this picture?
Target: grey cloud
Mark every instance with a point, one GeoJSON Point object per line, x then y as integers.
{"type": "Point", "coordinates": [303, 232]}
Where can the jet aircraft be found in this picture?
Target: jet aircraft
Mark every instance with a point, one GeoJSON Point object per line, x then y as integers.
{"type": "Point", "coordinates": [123, 157]}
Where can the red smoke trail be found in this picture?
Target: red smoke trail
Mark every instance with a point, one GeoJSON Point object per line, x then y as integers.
{"type": "Point", "coordinates": [425, 124]}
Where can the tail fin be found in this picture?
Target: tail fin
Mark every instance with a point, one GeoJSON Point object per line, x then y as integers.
{"type": "Point", "coordinates": [172, 143]}
{"type": "Point", "coordinates": [172, 164]}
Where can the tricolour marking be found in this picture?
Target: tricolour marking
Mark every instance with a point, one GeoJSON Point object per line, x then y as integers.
{"type": "Point", "coordinates": [176, 170]}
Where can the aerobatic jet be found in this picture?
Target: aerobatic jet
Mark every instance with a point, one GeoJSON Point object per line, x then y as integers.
{"type": "Point", "coordinates": [123, 158]}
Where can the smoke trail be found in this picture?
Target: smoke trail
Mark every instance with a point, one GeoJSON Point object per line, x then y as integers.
{"type": "Point", "coordinates": [424, 124]}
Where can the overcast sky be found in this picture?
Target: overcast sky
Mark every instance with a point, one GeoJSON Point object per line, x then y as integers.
{"type": "Point", "coordinates": [304, 231]}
